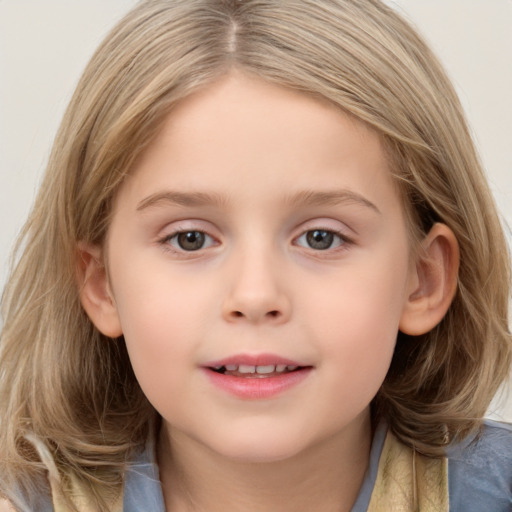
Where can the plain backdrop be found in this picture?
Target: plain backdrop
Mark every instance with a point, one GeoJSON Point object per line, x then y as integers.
{"type": "Point", "coordinates": [45, 44]}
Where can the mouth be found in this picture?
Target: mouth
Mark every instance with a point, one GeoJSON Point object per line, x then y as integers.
{"type": "Point", "coordinates": [256, 371]}
{"type": "Point", "coordinates": [250, 377]}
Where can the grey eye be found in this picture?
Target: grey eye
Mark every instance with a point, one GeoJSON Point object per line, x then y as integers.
{"type": "Point", "coordinates": [320, 239]}
{"type": "Point", "coordinates": [190, 240]}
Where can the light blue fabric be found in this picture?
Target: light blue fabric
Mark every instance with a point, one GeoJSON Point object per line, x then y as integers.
{"type": "Point", "coordinates": [480, 472]}
{"type": "Point", "coordinates": [479, 475]}
{"type": "Point", "coordinates": [363, 499]}
{"type": "Point", "coordinates": [142, 486]}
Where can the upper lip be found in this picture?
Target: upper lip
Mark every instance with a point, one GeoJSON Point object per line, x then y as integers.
{"type": "Point", "coordinates": [253, 360]}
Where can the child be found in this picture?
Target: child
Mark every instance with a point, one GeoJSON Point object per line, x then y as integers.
{"type": "Point", "coordinates": [264, 272]}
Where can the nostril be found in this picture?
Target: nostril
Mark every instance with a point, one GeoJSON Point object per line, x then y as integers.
{"type": "Point", "coordinates": [272, 314]}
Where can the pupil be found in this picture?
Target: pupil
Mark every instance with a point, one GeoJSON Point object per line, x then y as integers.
{"type": "Point", "coordinates": [191, 240]}
{"type": "Point", "coordinates": [319, 239]}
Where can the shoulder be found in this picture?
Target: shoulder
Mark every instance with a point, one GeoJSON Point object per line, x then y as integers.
{"type": "Point", "coordinates": [480, 470]}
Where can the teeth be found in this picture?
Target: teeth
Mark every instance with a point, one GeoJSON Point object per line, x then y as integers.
{"type": "Point", "coordinates": [261, 370]}
{"type": "Point", "coordinates": [265, 369]}
{"type": "Point", "coordinates": [244, 368]}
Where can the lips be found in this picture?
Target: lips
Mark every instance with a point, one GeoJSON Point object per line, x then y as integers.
{"type": "Point", "coordinates": [256, 377]}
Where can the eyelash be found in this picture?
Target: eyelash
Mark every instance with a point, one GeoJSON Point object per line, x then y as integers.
{"type": "Point", "coordinates": [341, 240]}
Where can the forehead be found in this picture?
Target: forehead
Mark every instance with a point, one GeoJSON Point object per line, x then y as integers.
{"type": "Point", "coordinates": [244, 133]}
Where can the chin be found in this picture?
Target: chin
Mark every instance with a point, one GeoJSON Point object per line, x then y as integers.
{"type": "Point", "coordinates": [257, 449]}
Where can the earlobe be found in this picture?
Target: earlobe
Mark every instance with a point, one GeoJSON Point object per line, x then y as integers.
{"type": "Point", "coordinates": [433, 281]}
{"type": "Point", "coordinates": [95, 294]}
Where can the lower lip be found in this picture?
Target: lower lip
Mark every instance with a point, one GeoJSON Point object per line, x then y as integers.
{"type": "Point", "coordinates": [257, 388]}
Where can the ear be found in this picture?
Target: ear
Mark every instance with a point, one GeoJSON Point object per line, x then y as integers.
{"type": "Point", "coordinates": [433, 281]}
{"type": "Point", "coordinates": [95, 293]}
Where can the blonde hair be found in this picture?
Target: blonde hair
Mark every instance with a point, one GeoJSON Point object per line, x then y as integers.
{"type": "Point", "coordinates": [65, 385]}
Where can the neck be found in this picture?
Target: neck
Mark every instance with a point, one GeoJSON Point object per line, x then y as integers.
{"type": "Point", "coordinates": [325, 477]}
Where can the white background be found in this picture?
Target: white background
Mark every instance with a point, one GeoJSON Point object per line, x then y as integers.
{"type": "Point", "coordinates": [45, 44]}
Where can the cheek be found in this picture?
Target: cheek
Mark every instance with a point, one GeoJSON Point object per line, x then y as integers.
{"type": "Point", "coordinates": [156, 301]}
{"type": "Point", "coordinates": [163, 321]}
{"type": "Point", "coordinates": [357, 319]}
{"type": "Point", "coordinates": [363, 298]}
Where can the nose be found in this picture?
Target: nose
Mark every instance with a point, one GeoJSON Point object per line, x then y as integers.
{"type": "Point", "coordinates": [256, 292]}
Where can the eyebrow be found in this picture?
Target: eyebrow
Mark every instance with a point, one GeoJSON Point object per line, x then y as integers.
{"type": "Point", "coordinates": [303, 198]}
{"type": "Point", "coordinates": [331, 197]}
{"type": "Point", "coordinates": [180, 199]}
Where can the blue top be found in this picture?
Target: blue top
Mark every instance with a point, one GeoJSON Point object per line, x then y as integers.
{"type": "Point", "coordinates": [479, 474]}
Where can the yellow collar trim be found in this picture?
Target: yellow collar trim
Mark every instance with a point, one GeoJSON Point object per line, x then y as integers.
{"type": "Point", "coordinates": [409, 482]}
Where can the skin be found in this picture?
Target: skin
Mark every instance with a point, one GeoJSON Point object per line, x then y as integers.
{"type": "Point", "coordinates": [256, 168]}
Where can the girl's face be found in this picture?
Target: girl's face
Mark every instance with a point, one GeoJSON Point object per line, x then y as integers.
{"type": "Point", "coordinates": [259, 263]}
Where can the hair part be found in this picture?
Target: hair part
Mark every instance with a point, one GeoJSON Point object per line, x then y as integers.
{"type": "Point", "coordinates": [68, 386]}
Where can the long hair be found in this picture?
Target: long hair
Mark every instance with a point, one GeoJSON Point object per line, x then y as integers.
{"type": "Point", "coordinates": [69, 401]}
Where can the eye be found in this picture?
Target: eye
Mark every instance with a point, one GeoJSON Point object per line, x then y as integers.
{"type": "Point", "coordinates": [189, 240]}
{"type": "Point", "coordinates": [320, 239]}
